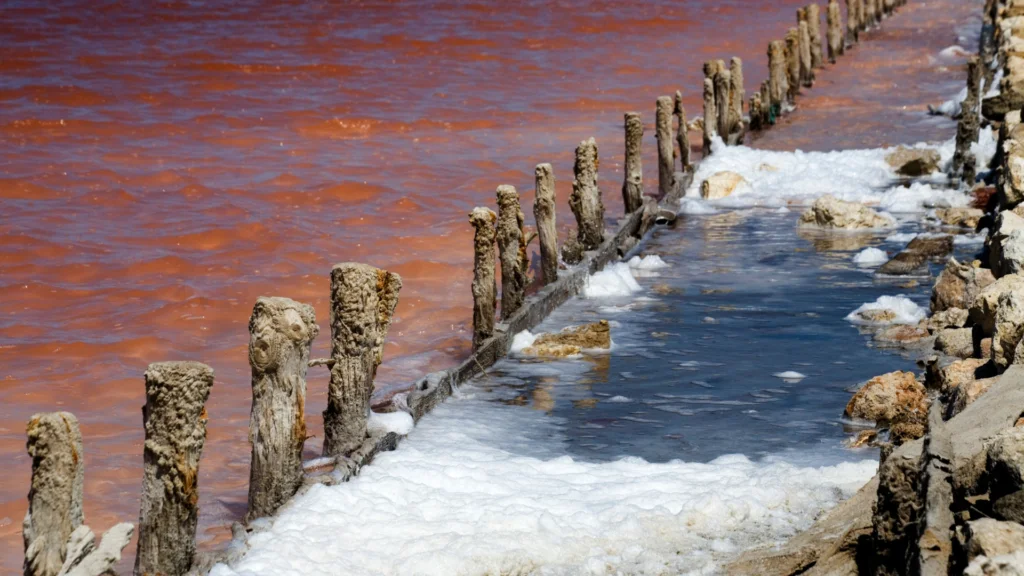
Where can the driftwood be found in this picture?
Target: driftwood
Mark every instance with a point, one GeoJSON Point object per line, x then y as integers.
{"type": "Point", "coordinates": [281, 332]}
{"type": "Point", "coordinates": [585, 200]}
{"type": "Point", "coordinates": [84, 558]}
{"type": "Point", "coordinates": [836, 46]}
{"type": "Point", "coordinates": [682, 133]}
{"type": "Point", "coordinates": [663, 134]}
{"type": "Point", "coordinates": [174, 419]}
{"type": "Point", "coordinates": [363, 301]}
{"type": "Point", "coordinates": [544, 214]}
{"type": "Point", "coordinates": [511, 250]}
{"type": "Point", "coordinates": [813, 16]}
{"type": "Point", "coordinates": [484, 288]}
{"type": "Point", "coordinates": [633, 184]}
{"type": "Point", "coordinates": [55, 495]}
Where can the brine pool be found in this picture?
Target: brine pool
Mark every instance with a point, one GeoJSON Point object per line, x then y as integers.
{"type": "Point", "coordinates": [714, 423]}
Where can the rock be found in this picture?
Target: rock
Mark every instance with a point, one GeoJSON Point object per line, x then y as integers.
{"type": "Point", "coordinates": [983, 309]}
{"type": "Point", "coordinates": [914, 162]}
{"type": "Point", "coordinates": [981, 196]}
{"type": "Point", "coordinates": [905, 264]}
{"type": "Point", "coordinates": [830, 212]}
{"type": "Point", "coordinates": [983, 349]}
{"type": "Point", "coordinates": [958, 285]}
{"type": "Point", "coordinates": [964, 217]}
{"type": "Point", "coordinates": [1008, 565]}
{"type": "Point", "coordinates": [1010, 187]}
{"type": "Point", "coordinates": [1006, 244]}
{"type": "Point", "coordinates": [896, 511]}
{"type": "Point", "coordinates": [1009, 327]}
{"type": "Point", "coordinates": [877, 316]}
{"type": "Point", "coordinates": [1004, 463]}
{"type": "Point", "coordinates": [988, 537]}
{"type": "Point", "coordinates": [949, 318]}
{"type": "Point", "coordinates": [721, 185]}
{"type": "Point", "coordinates": [958, 342]}
{"type": "Point", "coordinates": [883, 399]}
{"type": "Point", "coordinates": [864, 438]}
{"type": "Point", "coordinates": [965, 395]}
{"type": "Point", "coordinates": [571, 341]}
{"type": "Point", "coordinates": [931, 246]}
{"type": "Point", "coordinates": [961, 372]}
{"type": "Point", "coordinates": [1010, 507]}
{"type": "Point", "coordinates": [902, 334]}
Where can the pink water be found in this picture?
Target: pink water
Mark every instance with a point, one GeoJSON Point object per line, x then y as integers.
{"type": "Point", "coordinates": [164, 164]}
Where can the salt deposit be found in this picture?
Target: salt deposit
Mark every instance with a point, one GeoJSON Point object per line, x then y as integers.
{"type": "Point", "coordinates": [905, 311]}
{"type": "Point", "coordinates": [384, 422]}
{"type": "Point", "coordinates": [647, 266]}
{"type": "Point", "coordinates": [870, 257]}
{"type": "Point", "coordinates": [615, 280]}
{"type": "Point", "coordinates": [480, 489]}
{"type": "Point", "coordinates": [790, 375]}
{"type": "Point", "coordinates": [523, 340]}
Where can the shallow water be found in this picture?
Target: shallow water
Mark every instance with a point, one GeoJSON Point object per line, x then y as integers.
{"type": "Point", "coordinates": [164, 164]}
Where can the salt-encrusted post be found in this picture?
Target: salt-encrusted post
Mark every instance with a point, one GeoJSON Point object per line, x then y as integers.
{"type": "Point", "coordinates": [710, 115]}
{"type": "Point", "coordinates": [484, 286]}
{"type": "Point", "coordinates": [663, 134]}
{"type": "Point", "coordinates": [633, 186]}
{"type": "Point", "coordinates": [55, 492]}
{"type": "Point", "coordinates": [778, 83]}
{"type": "Point", "coordinates": [813, 17]}
{"type": "Point", "coordinates": [852, 24]}
{"type": "Point", "coordinates": [793, 63]}
{"type": "Point", "coordinates": [722, 82]}
{"type": "Point", "coordinates": [836, 46]}
{"type": "Point", "coordinates": [511, 250]}
{"type": "Point", "coordinates": [682, 133]}
{"type": "Point", "coordinates": [767, 117]}
{"type": "Point", "coordinates": [737, 94]}
{"type": "Point", "coordinates": [281, 332]}
{"type": "Point", "coordinates": [544, 214]}
{"type": "Point", "coordinates": [585, 200]}
{"type": "Point", "coordinates": [363, 301]}
{"type": "Point", "coordinates": [174, 419]}
{"type": "Point", "coordinates": [755, 111]}
{"type": "Point", "coordinates": [806, 70]}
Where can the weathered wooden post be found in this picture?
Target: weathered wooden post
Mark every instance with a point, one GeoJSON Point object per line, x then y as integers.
{"type": "Point", "coordinates": [806, 70]}
{"type": "Point", "coordinates": [484, 286]}
{"type": "Point", "coordinates": [852, 24]}
{"type": "Point", "coordinates": [682, 133]}
{"type": "Point", "coordinates": [813, 17]}
{"type": "Point", "coordinates": [663, 134]}
{"type": "Point", "coordinates": [281, 332]}
{"type": "Point", "coordinates": [710, 115]}
{"type": "Point", "coordinates": [969, 125]}
{"type": "Point", "coordinates": [55, 493]}
{"type": "Point", "coordinates": [174, 418]}
{"type": "Point", "coordinates": [793, 63]}
{"type": "Point", "coordinates": [836, 46]}
{"type": "Point", "coordinates": [633, 185]}
{"type": "Point", "coordinates": [511, 250]}
{"type": "Point", "coordinates": [544, 214]}
{"type": "Point", "coordinates": [363, 301]}
{"type": "Point", "coordinates": [722, 82]}
{"type": "Point", "coordinates": [767, 116]}
{"type": "Point", "coordinates": [755, 111]}
{"type": "Point", "coordinates": [862, 15]}
{"type": "Point", "coordinates": [778, 81]}
{"type": "Point", "coordinates": [585, 200]}
{"type": "Point", "coordinates": [737, 94]}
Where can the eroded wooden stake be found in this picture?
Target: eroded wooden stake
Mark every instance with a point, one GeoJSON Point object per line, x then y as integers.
{"type": "Point", "coordinates": [174, 418]}
{"type": "Point", "coordinates": [682, 133]}
{"type": "Point", "coordinates": [544, 214]}
{"type": "Point", "coordinates": [737, 94]}
{"type": "Point", "coordinates": [633, 185]}
{"type": "Point", "coordinates": [793, 67]}
{"type": "Point", "coordinates": [484, 287]}
{"type": "Point", "coordinates": [363, 301]}
{"type": "Point", "coordinates": [813, 16]}
{"type": "Point", "coordinates": [511, 250]}
{"type": "Point", "coordinates": [666, 144]}
{"type": "Point", "coordinates": [281, 332]}
{"type": "Point", "coordinates": [710, 115]}
{"type": "Point", "coordinates": [807, 74]}
{"type": "Point", "coordinates": [585, 200]}
{"type": "Point", "coordinates": [836, 46]}
{"type": "Point", "coordinates": [852, 24]}
{"type": "Point", "coordinates": [55, 493]}
{"type": "Point", "coordinates": [723, 79]}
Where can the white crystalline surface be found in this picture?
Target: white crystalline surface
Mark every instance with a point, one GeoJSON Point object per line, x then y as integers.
{"type": "Point", "coordinates": [790, 375]}
{"type": "Point", "coordinates": [480, 488]}
{"type": "Point", "coordinates": [615, 280]}
{"type": "Point", "coordinates": [870, 257]}
{"type": "Point", "coordinates": [523, 340]}
{"type": "Point", "coordinates": [906, 310]}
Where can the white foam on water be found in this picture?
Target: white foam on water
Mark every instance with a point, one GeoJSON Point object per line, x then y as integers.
{"type": "Point", "coordinates": [971, 239]}
{"type": "Point", "coordinates": [462, 498]}
{"type": "Point", "coordinates": [905, 309]}
{"type": "Point", "coordinates": [696, 207]}
{"type": "Point", "coordinates": [523, 340]}
{"type": "Point", "coordinates": [615, 280]}
{"type": "Point", "coordinates": [649, 262]}
{"type": "Point", "coordinates": [790, 375]}
{"type": "Point", "coordinates": [901, 237]}
{"type": "Point", "coordinates": [619, 399]}
{"type": "Point", "coordinates": [383, 422]}
{"type": "Point", "coordinates": [871, 257]}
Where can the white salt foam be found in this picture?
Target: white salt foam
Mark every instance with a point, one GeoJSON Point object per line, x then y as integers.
{"type": "Point", "coordinates": [384, 422]}
{"type": "Point", "coordinates": [615, 280]}
{"type": "Point", "coordinates": [870, 257]}
{"type": "Point", "coordinates": [790, 375]}
{"type": "Point", "coordinates": [523, 340]}
{"type": "Point", "coordinates": [906, 311]}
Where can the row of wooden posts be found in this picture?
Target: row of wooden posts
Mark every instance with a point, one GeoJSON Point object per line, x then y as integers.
{"type": "Point", "coordinates": [363, 301]}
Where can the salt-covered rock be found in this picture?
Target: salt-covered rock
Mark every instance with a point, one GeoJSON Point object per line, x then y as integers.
{"type": "Point", "coordinates": [721, 185]}
{"type": "Point", "coordinates": [989, 537]}
{"type": "Point", "coordinates": [958, 285]}
{"type": "Point", "coordinates": [885, 398]}
{"type": "Point", "coordinates": [958, 342]}
{"type": "Point", "coordinates": [983, 309]}
{"type": "Point", "coordinates": [1007, 565]}
{"type": "Point", "coordinates": [572, 341]}
{"type": "Point", "coordinates": [948, 318]}
{"type": "Point", "coordinates": [1009, 328]}
{"type": "Point", "coordinates": [830, 212]}
{"type": "Point", "coordinates": [914, 162]}
{"type": "Point", "coordinates": [887, 310]}
{"type": "Point", "coordinates": [965, 217]}
{"type": "Point", "coordinates": [962, 372]}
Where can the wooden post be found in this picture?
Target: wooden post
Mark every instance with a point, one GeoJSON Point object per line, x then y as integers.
{"type": "Point", "coordinates": [722, 82]}
{"type": "Point", "coordinates": [778, 81]}
{"type": "Point", "coordinates": [281, 332]}
{"type": "Point", "coordinates": [55, 493]}
{"type": "Point", "coordinates": [484, 287]}
{"type": "Point", "coordinates": [511, 250]}
{"type": "Point", "coordinates": [806, 70]}
{"type": "Point", "coordinates": [663, 134]}
{"type": "Point", "coordinates": [767, 116]}
{"type": "Point", "coordinates": [852, 24]}
{"type": "Point", "coordinates": [755, 111]}
{"type": "Point", "coordinates": [737, 94]}
{"type": "Point", "coordinates": [793, 63]}
{"type": "Point", "coordinates": [836, 46]}
{"type": "Point", "coordinates": [544, 214]}
{"type": "Point", "coordinates": [682, 133]}
{"type": "Point", "coordinates": [969, 125]}
{"type": "Point", "coordinates": [585, 200]}
{"type": "Point", "coordinates": [633, 186]}
{"type": "Point", "coordinates": [85, 558]}
{"type": "Point", "coordinates": [710, 115]}
{"type": "Point", "coordinates": [174, 418]}
{"type": "Point", "coordinates": [862, 15]}
{"type": "Point", "coordinates": [363, 301]}
{"type": "Point", "coordinates": [813, 16]}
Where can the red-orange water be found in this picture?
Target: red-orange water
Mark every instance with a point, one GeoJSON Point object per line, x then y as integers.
{"type": "Point", "coordinates": [164, 164]}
